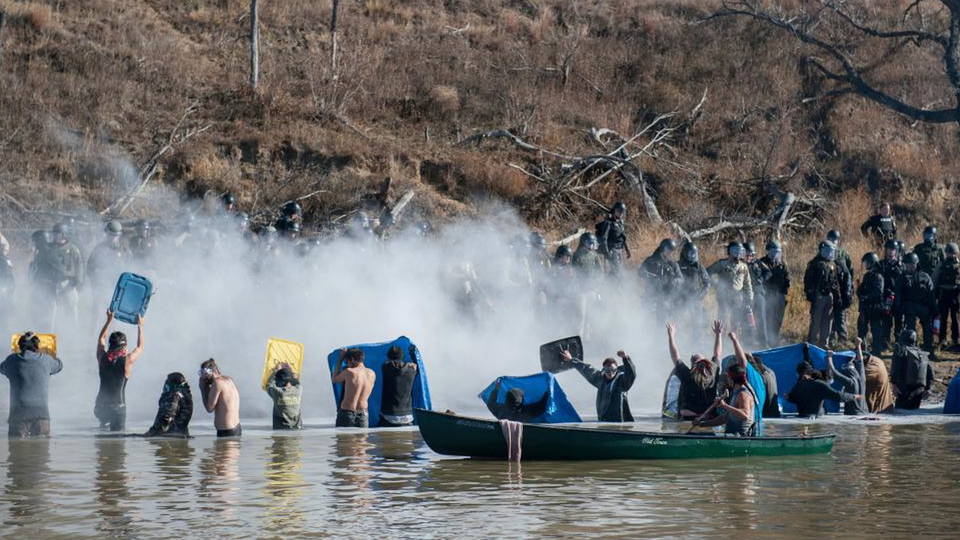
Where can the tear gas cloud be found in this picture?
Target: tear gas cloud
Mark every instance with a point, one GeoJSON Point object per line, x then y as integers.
{"type": "Point", "coordinates": [217, 295]}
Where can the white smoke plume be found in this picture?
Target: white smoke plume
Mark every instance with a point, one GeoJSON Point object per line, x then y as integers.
{"type": "Point", "coordinates": [217, 296]}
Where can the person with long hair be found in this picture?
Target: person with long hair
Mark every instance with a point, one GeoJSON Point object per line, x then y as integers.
{"type": "Point", "coordinates": [115, 365]}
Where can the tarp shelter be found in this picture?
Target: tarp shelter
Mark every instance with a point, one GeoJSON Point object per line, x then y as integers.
{"type": "Point", "coordinates": [952, 404]}
{"type": "Point", "coordinates": [783, 361]}
{"type": "Point", "coordinates": [559, 409]}
{"type": "Point", "coordinates": [375, 355]}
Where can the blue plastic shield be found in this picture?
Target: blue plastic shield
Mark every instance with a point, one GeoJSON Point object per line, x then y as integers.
{"type": "Point", "coordinates": [559, 409]}
{"type": "Point", "coordinates": [131, 297]}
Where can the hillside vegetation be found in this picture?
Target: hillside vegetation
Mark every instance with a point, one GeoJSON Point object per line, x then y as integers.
{"type": "Point", "coordinates": [90, 90]}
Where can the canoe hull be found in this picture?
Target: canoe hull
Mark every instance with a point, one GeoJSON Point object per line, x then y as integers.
{"type": "Point", "coordinates": [455, 435]}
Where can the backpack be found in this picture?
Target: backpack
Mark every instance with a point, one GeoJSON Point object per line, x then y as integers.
{"type": "Point", "coordinates": [914, 366]}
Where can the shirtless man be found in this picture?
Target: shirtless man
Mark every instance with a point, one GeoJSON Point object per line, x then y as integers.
{"type": "Point", "coordinates": [220, 396]}
{"type": "Point", "coordinates": [357, 382]}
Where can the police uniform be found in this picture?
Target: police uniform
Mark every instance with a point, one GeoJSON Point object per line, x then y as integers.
{"type": "Point", "coordinates": [821, 285]}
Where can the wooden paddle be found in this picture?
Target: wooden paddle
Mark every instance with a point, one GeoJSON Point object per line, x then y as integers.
{"type": "Point", "coordinates": [697, 419]}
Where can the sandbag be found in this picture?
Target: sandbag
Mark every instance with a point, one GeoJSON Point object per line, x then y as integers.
{"type": "Point", "coordinates": [559, 409]}
{"type": "Point", "coordinates": [375, 355]}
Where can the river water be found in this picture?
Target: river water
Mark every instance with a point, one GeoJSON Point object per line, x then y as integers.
{"type": "Point", "coordinates": [896, 477]}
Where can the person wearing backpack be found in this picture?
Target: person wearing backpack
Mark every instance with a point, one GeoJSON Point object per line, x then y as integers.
{"type": "Point", "coordinates": [947, 281]}
{"type": "Point", "coordinates": [910, 372]}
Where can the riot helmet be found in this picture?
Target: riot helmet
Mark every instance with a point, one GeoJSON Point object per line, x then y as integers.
{"type": "Point", "coordinates": [735, 250]}
{"type": "Point", "coordinates": [870, 260]}
{"type": "Point", "coordinates": [951, 249]}
{"type": "Point", "coordinates": [828, 250]}
{"type": "Point", "coordinates": [589, 241]}
{"type": "Point", "coordinates": [929, 234]}
{"type": "Point", "coordinates": [690, 253]}
{"type": "Point", "coordinates": [833, 236]}
{"type": "Point", "coordinates": [908, 338]}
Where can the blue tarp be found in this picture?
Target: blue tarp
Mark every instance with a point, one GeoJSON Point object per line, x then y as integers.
{"type": "Point", "coordinates": [783, 361]}
{"type": "Point", "coordinates": [558, 408]}
{"type": "Point", "coordinates": [131, 297]}
{"type": "Point", "coordinates": [375, 355]}
{"type": "Point", "coordinates": [952, 404]}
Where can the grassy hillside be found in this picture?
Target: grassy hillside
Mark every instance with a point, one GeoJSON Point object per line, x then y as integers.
{"type": "Point", "coordinates": [86, 84]}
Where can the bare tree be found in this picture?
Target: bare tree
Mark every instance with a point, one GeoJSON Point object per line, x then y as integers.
{"type": "Point", "coordinates": [254, 43]}
{"type": "Point", "coordinates": [812, 26]}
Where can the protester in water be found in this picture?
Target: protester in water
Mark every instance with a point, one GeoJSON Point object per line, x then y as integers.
{"type": "Point", "coordinates": [221, 397]}
{"type": "Point", "coordinates": [357, 381]}
{"type": "Point", "coordinates": [284, 389]}
{"type": "Point", "coordinates": [853, 379]}
{"type": "Point", "coordinates": [174, 410]}
{"type": "Point", "coordinates": [736, 410]}
{"type": "Point", "coordinates": [910, 372]}
{"type": "Point", "coordinates": [879, 394]}
{"type": "Point", "coordinates": [514, 407]}
{"type": "Point", "coordinates": [396, 399]}
{"type": "Point", "coordinates": [115, 364]}
{"type": "Point", "coordinates": [698, 382]}
{"type": "Point", "coordinates": [612, 383]}
{"type": "Point", "coordinates": [810, 391]}
{"type": "Point", "coordinates": [29, 372]}
{"type": "Point", "coordinates": [771, 402]}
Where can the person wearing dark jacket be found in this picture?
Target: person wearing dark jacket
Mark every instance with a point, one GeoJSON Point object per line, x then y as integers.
{"type": "Point", "coordinates": [115, 366]}
{"type": "Point", "coordinates": [808, 394]}
{"type": "Point", "coordinates": [285, 391]}
{"type": "Point", "coordinates": [917, 299]}
{"type": "Point", "coordinates": [775, 292]}
{"type": "Point", "coordinates": [947, 282]}
{"type": "Point", "coordinates": [870, 294]}
{"type": "Point", "coordinates": [513, 408]}
{"type": "Point", "coordinates": [696, 284]}
{"type": "Point", "coordinates": [929, 251]}
{"type": "Point", "coordinates": [882, 226]}
{"type": "Point", "coordinates": [698, 381]}
{"type": "Point", "coordinates": [612, 235]}
{"type": "Point", "coordinates": [663, 277]}
{"type": "Point", "coordinates": [910, 372]}
{"type": "Point", "coordinates": [396, 401]}
{"type": "Point", "coordinates": [29, 373]}
{"type": "Point", "coordinates": [891, 268]}
{"type": "Point", "coordinates": [846, 276]}
{"type": "Point", "coordinates": [612, 383]}
{"type": "Point", "coordinates": [854, 381]}
{"type": "Point", "coordinates": [821, 285]}
{"type": "Point", "coordinates": [759, 275]}
{"type": "Point", "coordinates": [174, 410]}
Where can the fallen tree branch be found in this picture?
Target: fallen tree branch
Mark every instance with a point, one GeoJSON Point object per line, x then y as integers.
{"type": "Point", "coordinates": [569, 239]}
{"type": "Point", "coordinates": [517, 141]}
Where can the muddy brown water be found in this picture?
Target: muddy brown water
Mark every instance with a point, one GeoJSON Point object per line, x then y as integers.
{"type": "Point", "coordinates": [897, 477]}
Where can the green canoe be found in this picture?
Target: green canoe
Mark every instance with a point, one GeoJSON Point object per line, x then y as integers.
{"type": "Point", "coordinates": [455, 435]}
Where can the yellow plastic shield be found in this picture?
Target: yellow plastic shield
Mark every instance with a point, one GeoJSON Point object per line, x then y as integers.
{"type": "Point", "coordinates": [279, 352]}
{"type": "Point", "coordinates": [48, 343]}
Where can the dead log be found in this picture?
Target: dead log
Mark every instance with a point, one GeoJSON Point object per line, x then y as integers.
{"type": "Point", "coordinates": [254, 44]}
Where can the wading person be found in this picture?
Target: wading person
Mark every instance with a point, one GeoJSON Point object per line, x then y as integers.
{"type": "Point", "coordinates": [736, 411]}
{"type": "Point", "coordinates": [221, 397]}
{"type": "Point", "coordinates": [284, 389]}
{"type": "Point", "coordinates": [513, 408]}
{"type": "Point", "coordinates": [29, 372]}
{"type": "Point", "coordinates": [612, 383]}
{"type": "Point", "coordinates": [879, 389]}
{"type": "Point", "coordinates": [821, 285]}
{"type": "Point", "coordinates": [853, 380]}
{"type": "Point", "coordinates": [698, 382]}
{"type": "Point", "coordinates": [357, 380]}
{"type": "Point", "coordinates": [396, 401]}
{"type": "Point", "coordinates": [910, 372]}
{"type": "Point", "coordinates": [810, 391]}
{"type": "Point", "coordinates": [870, 295]}
{"type": "Point", "coordinates": [115, 364]}
{"type": "Point", "coordinates": [947, 283]}
{"type": "Point", "coordinates": [174, 410]}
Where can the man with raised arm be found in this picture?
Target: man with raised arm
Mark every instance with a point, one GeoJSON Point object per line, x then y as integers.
{"type": "Point", "coordinates": [698, 382]}
{"type": "Point", "coordinates": [357, 381]}
{"type": "Point", "coordinates": [612, 383]}
{"type": "Point", "coordinates": [115, 366]}
{"type": "Point", "coordinates": [221, 397]}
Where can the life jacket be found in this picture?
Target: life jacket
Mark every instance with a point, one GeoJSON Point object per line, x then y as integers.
{"type": "Point", "coordinates": [914, 362]}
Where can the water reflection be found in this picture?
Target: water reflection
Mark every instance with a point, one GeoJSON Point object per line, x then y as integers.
{"type": "Point", "coordinates": [220, 477]}
{"type": "Point", "coordinates": [284, 485]}
{"type": "Point", "coordinates": [28, 471]}
{"type": "Point", "coordinates": [173, 458]}
{"type": "Point", "coordinates": [111, 487]}
{"type": "Point", "coordinates": [352, 470]}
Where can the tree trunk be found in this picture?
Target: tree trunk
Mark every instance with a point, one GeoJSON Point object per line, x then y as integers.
{"type": "Point", "coordinates": [254, 44]}
{"type": "Point", "coordinates": [333, 38]}
{"type": "Point", "coordinates": [3, 22]}
{"type": "Point", "coordinates": [951, 54]}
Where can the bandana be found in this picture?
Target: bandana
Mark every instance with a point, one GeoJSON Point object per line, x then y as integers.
{"type": "Point", "coordinates": [112, 356]}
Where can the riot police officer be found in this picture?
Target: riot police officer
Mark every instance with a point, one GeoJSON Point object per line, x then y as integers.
{"type": "Point", "coordinates": [870, 294]}
{"type": "Point", "coordinates": [916, 299]}
{"type": "Point", "coordinates": [821, 285]}
{"type": "Point", "coordinates": [882, 226]}
{"type": "Point", "coordinates": [929, 251]}
{"type": "Point", "coordinates": [662, 275]}
{"type": "Point", "coordinates": [947, 283]}
{"type": "Point", "coordinates": [731, 278]}
{"type": "Point", "coordinates": [612, 236]}
{"type": "Point", "coordinates": [776, 287]}
{"type": "Point", "coordinates": [892, 270]}
{"type": "Point", "coordinates": [847, 275]}
{"type": "Point", "coordinates": [696, 283]}
{"type": "Point", "coordinates": [759, 275]}
{"type": "Point", "coordinates": [587, 258]}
